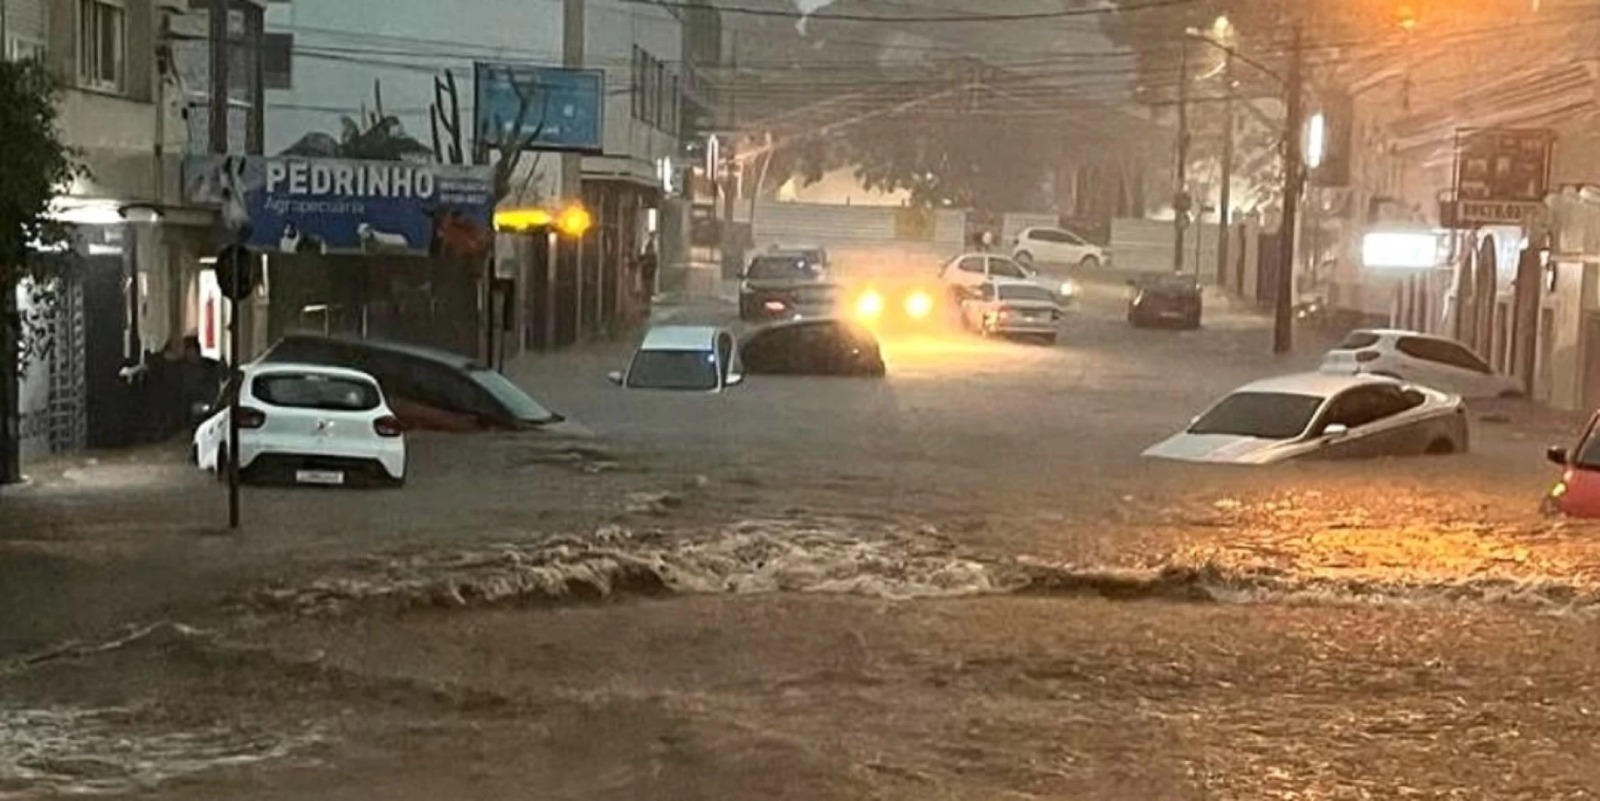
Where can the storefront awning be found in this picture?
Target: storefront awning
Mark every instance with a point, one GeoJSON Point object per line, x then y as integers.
{"type": "Point", "coordinates": [1525, 99]}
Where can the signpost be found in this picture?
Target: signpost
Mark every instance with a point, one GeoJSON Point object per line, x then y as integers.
{"type": "Point", "coordinates": [237, 275]}
{"type": "Point", "coordinates": [1501, 176]}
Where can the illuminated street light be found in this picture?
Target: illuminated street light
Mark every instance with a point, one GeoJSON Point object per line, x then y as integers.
{"type": "Point", "coordinates": [574, 221]}
{"type": "Point", "coordinates": [1316, 140]}
{"type": "Point", "coordinates": [521, 219]}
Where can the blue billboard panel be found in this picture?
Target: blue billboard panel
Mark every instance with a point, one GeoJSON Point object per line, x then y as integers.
{"type": "Point", "coordinates": [289, 204]}
{"type": "Point", "coordinates": [565, 108]}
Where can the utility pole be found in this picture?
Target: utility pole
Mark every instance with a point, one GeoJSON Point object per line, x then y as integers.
{"type": "Point", "coordinates": [217, 40]}
{"type": "Point", "coordinates": [572, 57]}
{"type": "Point", "coordinates": [1293, 185]}
{"type": "Point", "coordinates": [1180, 198]}
{"type": "Point", "coordinates": [218, 44]}
{"type": "Point", "coordinates": [1225, 202]}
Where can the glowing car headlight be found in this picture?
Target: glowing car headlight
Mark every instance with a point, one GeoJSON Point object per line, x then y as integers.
{"type": "Point", "coordinates": [1069, 289]}
{"type": "Point", "coordinates": [919, 305]}
{"type": "Point", "coordinates": [869, 305]}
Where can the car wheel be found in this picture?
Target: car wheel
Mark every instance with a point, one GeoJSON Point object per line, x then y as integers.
{"type": "Point", "coordinates": [1048, 339]}
{"type": "Point", "coordinates": [1024, 258]}
{"type": "Point", "coordinates": [1090, 263]}
{"type": "Point", "coordinates": [1194, 323]}
{"type": "Point", "coordinates": [1512, 393]}
{"type": "Point", "coordinates": [1440, 447]}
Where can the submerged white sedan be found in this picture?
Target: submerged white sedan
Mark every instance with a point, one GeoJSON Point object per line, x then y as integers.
{"type": "Point", "coordinates": [1321, 416]}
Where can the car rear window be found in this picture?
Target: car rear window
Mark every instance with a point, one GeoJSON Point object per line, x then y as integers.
{"type": "Point", "coordinates": [1356, 340]}
{"type": "Point", "coordinates": [782, 267]}
{"type": "Point", "coordinates": [316, 391]}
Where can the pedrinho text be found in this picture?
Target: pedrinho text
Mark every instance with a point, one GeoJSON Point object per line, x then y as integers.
{"type": "Point", "coordinates": [348, 179]}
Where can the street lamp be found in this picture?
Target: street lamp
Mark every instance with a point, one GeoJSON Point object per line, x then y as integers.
{"type": "Point", "coordinates": [1293, 173]}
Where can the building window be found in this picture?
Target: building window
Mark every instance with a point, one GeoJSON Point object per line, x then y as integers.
{"type": "Point", "coordinates": [102, 28]}
{"type": "Point", "coordinates": [277, 60]}
{"type": "Point", "coordinates": [21, 48]}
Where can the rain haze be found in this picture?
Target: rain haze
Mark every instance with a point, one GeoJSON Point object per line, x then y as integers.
{"type": "Point", "coordinates": [799, 399]}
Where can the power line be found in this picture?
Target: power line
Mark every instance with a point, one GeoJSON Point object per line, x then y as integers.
{"type": "Point", "coordinates": [1024, 16]}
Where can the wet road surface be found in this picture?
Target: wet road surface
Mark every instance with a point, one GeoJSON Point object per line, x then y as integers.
{"type": "Point", "coordinates": [1087, 624]}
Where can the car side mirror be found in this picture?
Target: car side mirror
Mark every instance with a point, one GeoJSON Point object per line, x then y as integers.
{"type": "Point", "coordinates": [1557, 454]}
{"type": "Point", "coordinates": [1335, 430]}
{"type": "Point", "coordinates": [615, 377]}
{"type": "Point", "coordinates": [734, 379]}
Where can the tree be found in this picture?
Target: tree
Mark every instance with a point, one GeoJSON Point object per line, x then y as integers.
{"type": "Point", "coordinates": [960, 162]}
{"type": "Point", "coordinates": [35, 166]}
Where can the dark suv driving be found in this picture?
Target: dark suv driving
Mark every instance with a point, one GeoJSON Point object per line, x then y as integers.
{"type": "Point", "coordinates": [784, 285]}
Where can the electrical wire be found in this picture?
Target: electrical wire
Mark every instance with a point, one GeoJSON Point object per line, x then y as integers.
{"type": "Point", "coordinates": [1023, 16]}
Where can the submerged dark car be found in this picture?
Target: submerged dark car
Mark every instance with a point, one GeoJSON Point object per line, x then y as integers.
{"type": "Point", "coordinates": [784, 286]}
{"type": "Point", "coordinates": [1165, 300]}
{"type": "Point", "coordinates": [813, 347]}
{"type": "Point", "coordinates": [428, 388]}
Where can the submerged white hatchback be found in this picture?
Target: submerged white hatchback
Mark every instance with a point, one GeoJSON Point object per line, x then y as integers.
{"type": "Point", "coordinates": [310, 424]}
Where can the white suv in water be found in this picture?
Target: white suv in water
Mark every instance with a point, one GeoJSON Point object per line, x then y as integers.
{"type": "Point", "coordinates": [308, 423]}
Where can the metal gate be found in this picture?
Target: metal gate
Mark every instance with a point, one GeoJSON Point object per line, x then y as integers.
{"type": "Point", "coordinates": [55, 420]}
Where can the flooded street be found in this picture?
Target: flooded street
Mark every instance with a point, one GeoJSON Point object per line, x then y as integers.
{"type": "Point", "coordinates": [960, 582]}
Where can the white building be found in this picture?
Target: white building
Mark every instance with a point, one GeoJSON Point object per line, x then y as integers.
{"type": "Point", "coordinates": [329, 61]}
{"type": "Point", "coordinates": [138, 248]}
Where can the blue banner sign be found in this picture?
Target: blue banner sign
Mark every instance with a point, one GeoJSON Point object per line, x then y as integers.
{"type": "Point", "coordinates": [289, 204]}
{"type": "Point", "coordinates": [561, 109]}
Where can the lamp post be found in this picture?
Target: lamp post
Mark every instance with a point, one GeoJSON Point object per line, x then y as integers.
{"type": "Point", "coordinates": [1293, 176]}
{"type": "Point", "coordinates": [1180, 198]}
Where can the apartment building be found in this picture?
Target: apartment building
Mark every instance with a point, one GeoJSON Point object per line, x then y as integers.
{"type": "Point", "coordinates": [131, 74]}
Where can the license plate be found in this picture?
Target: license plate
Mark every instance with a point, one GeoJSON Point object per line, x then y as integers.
{"type": "Point", "coordinates": [327, 477]}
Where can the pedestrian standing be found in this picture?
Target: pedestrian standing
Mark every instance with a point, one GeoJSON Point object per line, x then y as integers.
{"type": "Point", "coordinates": [648, 265]}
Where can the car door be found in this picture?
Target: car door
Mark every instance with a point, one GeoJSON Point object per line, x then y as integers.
{"type": "Point", "coordinates": [969, 271]}
{"type": "Point", "coordinates": [763, 353]}
{"type": "Point", "coordinates": [1472, 374]}
{"type": "Point", "coordinates": [1059, 245]}
{"type": "Point", "coordinates": [1002, 267]}
{"type": "Point", "coordinates": [1375, 421]}
{"type": "Point", "coordinates": [1441, 364]}
{"type": "Point", "coordinates": [212, 433]}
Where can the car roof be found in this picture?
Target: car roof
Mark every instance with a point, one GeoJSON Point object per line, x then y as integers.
{"type": "Point", "coordinates": [680, 337]}
{"type": "Point", "coordinates": [440, 355]}
{"type": "Point", "coordinates": [1397, 333]}
{"type": "Point", "coordinates": [843, 322]}
{"type": "Point", "coordinates": [1319, 384]}
{"type": "Point", "coordinates": [259, 368]}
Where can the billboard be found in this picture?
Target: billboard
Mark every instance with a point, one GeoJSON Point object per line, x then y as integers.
{"type": "Point", "coordinates": [1501, 175]}
{"type": "Point", "coordinates": [565, 108]}
{"type": "Point", "coordinates": [290, 204]}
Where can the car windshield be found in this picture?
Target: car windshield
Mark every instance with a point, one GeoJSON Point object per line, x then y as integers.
{"type": "Point", "coordinates": [673, 369]}
{"type": "Point", "coordinates": [316, 391]}
{"type": "Point", "coordinates": [1266, 415]}
{"type": "Point", "coordinates": [1025, 292]}
{"type": "Point", "coordinates": [512, 397]}
{"type": "Point", "coordinates": [769, 268]}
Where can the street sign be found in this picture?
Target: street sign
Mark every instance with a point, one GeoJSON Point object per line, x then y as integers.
{"type": "Point", "coordinates": [1501, 176]}
{"type": "Point", "coordinates": [1477, 213]}
{"type": "Point", "coordinates": [237, 272]}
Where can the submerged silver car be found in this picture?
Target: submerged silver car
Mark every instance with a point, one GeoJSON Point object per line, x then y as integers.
{"type": "Point", "coordinates": [1321, 416]}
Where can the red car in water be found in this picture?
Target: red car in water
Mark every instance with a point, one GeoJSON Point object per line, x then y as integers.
{"type": "Point", "coordinates": [1577, 494]}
